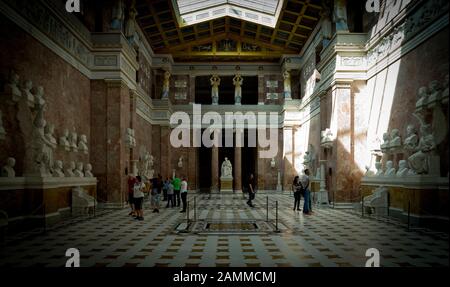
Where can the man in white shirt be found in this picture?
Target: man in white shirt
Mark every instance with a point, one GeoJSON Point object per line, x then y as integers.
{"type": "Point", "coordinates": [184, 192]}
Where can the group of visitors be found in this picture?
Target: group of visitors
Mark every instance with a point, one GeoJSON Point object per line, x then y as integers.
{"type": "Point", "coordinates": [174, 192]}
{"type": "Point", "coordinates": [300, 187]}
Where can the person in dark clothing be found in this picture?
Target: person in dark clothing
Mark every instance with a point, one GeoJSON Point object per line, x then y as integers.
{"type": "Point", "coordinates": [251, 190]}
{"type": "Point", "coordinates": [297, 189]}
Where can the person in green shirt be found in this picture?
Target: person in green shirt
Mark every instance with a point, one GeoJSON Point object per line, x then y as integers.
{"type": "Point", "coordinates": [176, 182]}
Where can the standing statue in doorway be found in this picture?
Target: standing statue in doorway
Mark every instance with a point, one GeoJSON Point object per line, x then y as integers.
{"type": "Point", "coordinates": [340, 15]}
{"type": "Point", "coordinates": [237, 82]}
{"type": "Point", "coordinates": [118, 15]}
{"type": "Point", "coordinates": [287, 84]}
{"type": "Point", "coordinates": [215, 83]}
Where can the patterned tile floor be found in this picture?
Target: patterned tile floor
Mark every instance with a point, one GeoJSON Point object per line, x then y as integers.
{"type": "Point", "coordinates": [329, 238]}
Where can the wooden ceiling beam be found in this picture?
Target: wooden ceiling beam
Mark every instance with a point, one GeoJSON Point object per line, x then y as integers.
{"type": "Point", "coordinates": [158, 25]}
{"type": "Point", "coordinates": [297, 22]}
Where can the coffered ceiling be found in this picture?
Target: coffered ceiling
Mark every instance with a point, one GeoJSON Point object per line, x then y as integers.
{"type": "Point", "coordinates": [227, 38]}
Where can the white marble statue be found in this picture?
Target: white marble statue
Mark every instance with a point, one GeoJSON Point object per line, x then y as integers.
{"type": "Point", "coordinates": [78, 172]}
{"type": "Point", "coordinates": [379, 168]}
{"type": "Point", "coordinates": [423, 97]}
{"type": "Point", "coordinates": [73, 141]}
{"type": "Point", "coordinates": [418, 162]}
{"type": "Point", "coordinates": [386, 142]}
{"type": "Point", "coordinates": [146, 166]}
{"type": "Point", "coordinates": [287, 84]}
{"type": "Point", "coordinates": [69, 172]}
{"type": "Point", "coordinates": [325, 15]}
{"type": "Point", "coordinates": [369, 172]}
{"type": "Point", "coordinates": [412, 139]}
{"type": "Point", "coordinates": [88, 171]}
{"type": "Point", "coordinates": [402, 168]}
{"type": "Point", "coordinates": [435, 96]}
{"type": "Point", "coordinates": [166, 85]}
{"type": "Point", "coordinates": [58, 169]}
{"type": "Point", "coordinates": [12, 88]}
{"type": "Point", "coordinates": [26, 91]}
{"type": "Point", "coordinates": [378, 201]}
{"type": "Point", "coordinates": [2, 129]}
{"type": "Point", "coordinates": [307, 158]}
{"type": "Point", "coordinates": [83, 144]}
{"type": "Point", "coordinates": [390, 169]}
{"type": "Point", "coordinates": [130, 27]}
{"type": "Point", "coordinates": [273, 163]}
{"type": "Point", "coordinates": [50, 135]}
{"type": "Point", "coordinates": [64, 140]}
{"type": "Point", "coordinates": [8, 169]}
{"type": "Point", "coordinates": [227, 168]}
{"type": "Point", "coordinates": [327, 136]}
{"type": "Point", "coordinates": [396, 140]}
{"type": "Point", "coordinates": [180, 162]}
{"type": "Point", "coordinates": [237, 82]}
{"type": "Point", "coordinates": [118, 15]}
{"type": "Point", "coordinates": [340, 15]}
{"type": "Point", "coordinates": [215, 83]}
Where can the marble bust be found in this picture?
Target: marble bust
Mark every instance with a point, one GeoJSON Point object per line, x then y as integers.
{"type": "Point", "coordinates": [411, 140]}
{"type": "Point", "coordinates": [402, 168]}
{"type": "Point", "coordinates": [419, 160]}
{"type": "Point", "coordinates": [390, 170]}
{"type": "Point", "coordinates": [8, 169]}
{"type": "Point", "coordinates": [58, 169]}
{"type": "Point", "coordinates": [423, 97]}
{"type": "Point", "coordinates": [396, 140]}
{"type": "Point", "coordinates": [83, 144]}
{"type": "Point", "coordinates": [88, 171]}
{"type": "Point", "coordinates": [64, 140]}
{"type": "Point", "coordinates": [70, 169]}
{"type": "Point", "coordinates": [435, 89]}
{"type": "Point", "coordinates": [79, 170]}
{"type": "Point", "coordinates": [227, 169]}
{"type": "Point", "coordinates": [73, 137]}
{"type": "Point", "coordinates": [378, 167]}
{"type": "Point", "coordinates": [386, 142]}
{"type": "Point", "coordinates": [180, 162]}
{"type": "Point", "coordinates": [12, 87]}
{"type": "Point", "coordinates": [50, 135]}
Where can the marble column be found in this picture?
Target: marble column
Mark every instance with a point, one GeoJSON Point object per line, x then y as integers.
{"type": "Point", "coordinates": [191, 95]}
{"type": "Point", "coordinates": [344, 155]}
{"type": "Point", "coordinates": [261, 90]}
{"type": "Point", "coordinates": [215, 169]}
{"type": "Point", "coordinates": [238, 169]}
{"type": "Point", "coordinates": [166, 159]}
{"type": "Point", "coordinates": [288, 157]}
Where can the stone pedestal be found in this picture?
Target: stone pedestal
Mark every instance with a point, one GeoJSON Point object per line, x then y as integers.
{"type": "Point", "coordinates": [226, 185]}
{"type": "Point", "coordinates": [322, 197]}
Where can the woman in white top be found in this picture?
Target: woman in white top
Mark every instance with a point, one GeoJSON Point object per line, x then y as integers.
{"type": "Point", "coordinates": [138, 195]}
{"type": "Point", "coordinates": [184, 192]}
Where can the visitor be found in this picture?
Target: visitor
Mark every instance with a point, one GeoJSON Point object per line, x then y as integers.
{"type": "Point", "coordinates": [170, 195]}
{"type": "Point", "coordinates": [297, 189]}
{"type": "Point", "coordinates": [176, 188]}
{"type": "Point", "coordinates": [304, 180]}
{"type": "Point", "coordinates": [131, 183]}
{"type": "Point", "coordinates": [138, 198]}
{"type": "Point", "coordinates": [251, 190]}
{"type": "Point", "coordinates": [155, 194]}
{"type": "Point", "coordinates": [184, 193]}
{"type": "Point", "coordinates": [165, 187]}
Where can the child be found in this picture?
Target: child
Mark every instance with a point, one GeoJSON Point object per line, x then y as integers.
{"type": "Point", "coordinates": [138, 195]}
{"type": "Point", "coordinates": [170, 195]}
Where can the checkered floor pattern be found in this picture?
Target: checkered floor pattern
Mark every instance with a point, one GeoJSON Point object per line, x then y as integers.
{"type": "Point", "coordinates": [329, 237]}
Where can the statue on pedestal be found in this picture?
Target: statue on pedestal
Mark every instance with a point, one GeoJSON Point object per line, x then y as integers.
{"type": "Point", "coordinates": [378, 167]}
{"type": "Point", "coordinates": [12, 88]}
{"type": "Point", "coordinates": [79, 170]}
{"type": "Point", "coordinates": [423, 97]}
{"type": "Point", "coordinates": [130, 27]}
{"type": "Point", "coordinates": [8, 169]}
{"type": "Point", "coordinates": [73, 141]}
{"type": "Point", "coordinates": [83, 144]}
{"type": "Point", "coordinates": [396, 140]}
{"type": "Point", "coordinates": [118, 15]}
{"type": "Point", "coordinates": [88, 171]}
{"type": "Point", "coordinates": [146, 166]}
{"type": "Point", "coordinates": [386, 142]}
{"type": "Point", "coordinates": [227, 169]}
{"type": "Point", "coordinates": [237, 82]}
{"type": "Point", "coordinates": [215, 83]}
{"type": "Point", "coordinates": [340, 15]}
{"type": "Point", "coordinates": [28, 94]}
{"type": "Point", "coordinates": [50, 135]}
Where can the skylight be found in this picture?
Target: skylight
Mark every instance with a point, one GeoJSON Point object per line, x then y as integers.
{"type": "Point", "coordinates": [264, 12]}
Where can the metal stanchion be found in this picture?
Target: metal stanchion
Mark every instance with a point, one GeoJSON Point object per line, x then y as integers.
{"type": "Point", "coordinates": [195, 208]}
{"type": "Point", "coordinates": [267, 209]}
{"type": "Point", "coordinates": [276, 217]}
